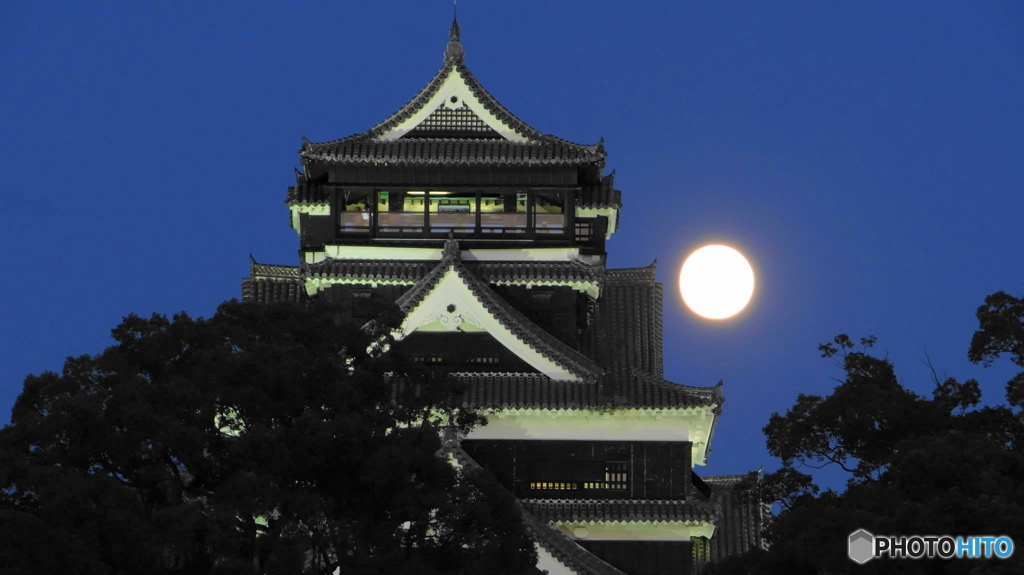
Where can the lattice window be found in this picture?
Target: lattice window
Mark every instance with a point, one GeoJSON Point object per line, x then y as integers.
{"type": "Point", "coordinates": [458, 120]}
{"type": "Point", "coordinates": [584, 231]}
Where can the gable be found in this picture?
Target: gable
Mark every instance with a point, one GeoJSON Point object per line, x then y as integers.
{"type": "Point", "coordinates": [453, 104]}
{"type": "Point", "coordinates": [451, 306]}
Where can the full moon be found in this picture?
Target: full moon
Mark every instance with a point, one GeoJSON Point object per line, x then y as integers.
{"type": "Point", "coordinates": [716, 282]}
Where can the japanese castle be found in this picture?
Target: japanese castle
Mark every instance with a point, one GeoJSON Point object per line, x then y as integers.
{"type": "Point", "coordinates": [490, 237]}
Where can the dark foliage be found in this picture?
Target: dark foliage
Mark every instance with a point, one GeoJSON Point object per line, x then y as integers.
{"type": "Point", "coordinates": [1001, 330]}
{"type": "Point", "coordinates": [265, 439]}
{"type": "Point", "coordinates": [916, 465]}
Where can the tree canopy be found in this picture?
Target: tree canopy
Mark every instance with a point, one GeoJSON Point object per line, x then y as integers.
{"type": "Point", "coordinates": [939, 465]}
{"type": "Point", "coordinates": [265, 439]}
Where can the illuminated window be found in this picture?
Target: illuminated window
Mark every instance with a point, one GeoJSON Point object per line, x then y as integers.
{"type": "Point", "coordinates": [549, 215]}
{"type": "Point", "coordinates": [554, 486]}
{"type": "Point", "coordinates": [355, 211]}
{"type": "Point", "coordinates": [452, 213]}
{"type": "Point", "coordinates": [616, 477]}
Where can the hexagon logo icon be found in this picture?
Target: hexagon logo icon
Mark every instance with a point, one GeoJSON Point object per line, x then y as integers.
{"type": "Point", "coordinates": [861, 547]}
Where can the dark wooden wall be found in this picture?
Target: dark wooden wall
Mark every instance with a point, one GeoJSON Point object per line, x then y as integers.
{"type": "Point", "coordinates": [645, 557]}
{"type": "Point", "coordinates": [556, 309]}
{"type": "Point", "coordinates": [464, 352]}
{"type": "Point", "coordinates": [656, 469]}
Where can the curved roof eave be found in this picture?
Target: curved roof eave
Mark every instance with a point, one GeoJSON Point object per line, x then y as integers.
{"type": "Point", "coordinates": [454, 64]}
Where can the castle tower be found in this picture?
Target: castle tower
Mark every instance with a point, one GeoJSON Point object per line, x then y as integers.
{"type": "Point", "coordinates": [490, 237]}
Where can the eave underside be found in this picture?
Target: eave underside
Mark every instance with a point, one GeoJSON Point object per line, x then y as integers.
{"type": "Point", "coordinates": [452, 152]}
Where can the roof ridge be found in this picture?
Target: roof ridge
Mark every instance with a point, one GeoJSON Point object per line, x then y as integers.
{"type": "Point", "coordinates": [645, 273]}
{"type": "Point", "coordinates": [273, 271]}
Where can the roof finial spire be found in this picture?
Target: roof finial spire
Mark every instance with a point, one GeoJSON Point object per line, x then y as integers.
{"type": "Point", "coordinates": [453, 32]}
{"type": "Point", "coordinates": [453, 55]}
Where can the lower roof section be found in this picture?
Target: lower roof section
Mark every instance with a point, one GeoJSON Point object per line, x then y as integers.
{"type": "Point", "coordinates": [269, 290]}
{"type": "Point", "coordinates": [528, 391]}
{"type": "Point", "coordinates": [627, 520]}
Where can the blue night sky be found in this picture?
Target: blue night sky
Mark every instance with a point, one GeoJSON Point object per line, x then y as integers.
{"type": "Point", "coordinates": [867, 156]}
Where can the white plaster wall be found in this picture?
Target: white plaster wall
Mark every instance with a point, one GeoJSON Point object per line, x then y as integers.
{"type": "Point", "coordinates": [660, 531]}
{"type": "Point", "coordinates": [590, 427]}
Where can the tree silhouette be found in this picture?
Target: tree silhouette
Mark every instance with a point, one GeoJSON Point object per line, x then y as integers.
{"type": "Point", "coordinates": [944, 465]}
{"type": "Point", "coordinates": [267, 439]}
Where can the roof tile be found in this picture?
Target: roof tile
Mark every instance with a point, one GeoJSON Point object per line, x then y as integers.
{"type": "Point", "coordinates": [620, 511]}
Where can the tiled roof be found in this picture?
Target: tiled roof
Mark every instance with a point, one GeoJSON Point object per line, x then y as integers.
{"type": "Point", "coordinates": [626, 341]}
{"type": "Point", "coordinates": [449, 151]}
{"type": "Point", "coordinates": [558, 544]}
{"type": "Point", "coordinates": [536, 391]}
{"type": "Point", "coordinates": [270, 283]}
{"type": "Point", "coordinates": [627, 336]}
{"type": "Point", "coordinates": [270, 271]}
{"type": "Point", "coordinates": [637, 388]}
{"type": "Point", "coordinates": [648, 391]}
{"type": "Point", "coordinates": [304, 193]}
{"type": "Point", "coordinates": [643, 276]}
{"type": "Point", "coordinates": [731, 481]}
{"type": "Point", "coordinates": [600, 195]}
{"type": "Point", "coordinates": [414, 296]}
{"type": "Point", "coordinates": [489, 102]}
{"type": "Point", "coordinates": [521, 272]}
{"type": "Point", "coordinates": [371, 270]}
{"type": "Point", "coordinates": [498, 273]}
{"type": "Point", "coordinates": [266, 290]}
{"type": "Point", "coordinates": [528, 391]}
{"type": "Point", "coordinates": [539, 149]}
{"type": "Point", "coordinates": [620, 511]}
{"type": "Point", "coordinates": [741, 513]}
{"type": "Point", "coordinates": [525, 330]}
